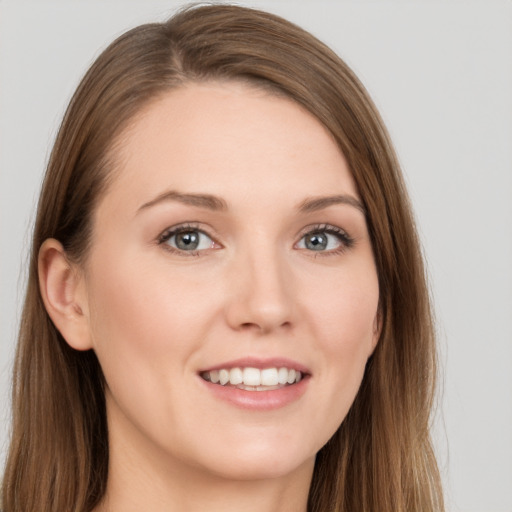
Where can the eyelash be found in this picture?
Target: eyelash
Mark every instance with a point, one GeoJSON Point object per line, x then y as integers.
{"type": "Point", "coordinates": [346, 241]}
{"type": "Point", "coordinates": [183, 228]}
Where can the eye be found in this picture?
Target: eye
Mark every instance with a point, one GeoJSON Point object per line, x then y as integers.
{"type": "Point", "coordinates": [187, 239]}
{"type": "Point", "coordinates": [325, 239]}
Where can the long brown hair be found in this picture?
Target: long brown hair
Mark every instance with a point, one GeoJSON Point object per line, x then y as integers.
{"type": "Point", "coordinates": [381, 458]}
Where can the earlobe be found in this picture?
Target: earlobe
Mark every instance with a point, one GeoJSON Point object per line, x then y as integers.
{"type": "Point", "coordinates": [63, 294]}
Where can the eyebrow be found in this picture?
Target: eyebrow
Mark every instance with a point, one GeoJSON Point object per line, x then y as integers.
{"type": "Point", "coordinates": [215, 203]}
{"type": "Point", "coordinates": [200, 200]}
{"type": "Point", "coordinates": [319, 203]}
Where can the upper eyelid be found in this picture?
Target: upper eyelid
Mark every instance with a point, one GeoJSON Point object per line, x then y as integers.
{"type": "Point", "coordinates": [187, 226]}
{"type": "Point", "coordinates": [322, 227]}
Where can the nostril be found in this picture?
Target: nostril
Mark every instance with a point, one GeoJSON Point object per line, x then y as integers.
{"type": "Point", "coordinates": [252, 326]}
{"type": "Point", "coordinates": [263, 327]}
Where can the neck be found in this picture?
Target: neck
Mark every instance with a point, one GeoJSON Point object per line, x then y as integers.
{"type": "Point", "coordinates": [196, 494]}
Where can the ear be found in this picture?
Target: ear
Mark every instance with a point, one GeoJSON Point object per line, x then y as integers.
{"type": "Point", "coordinates": [63, 293]}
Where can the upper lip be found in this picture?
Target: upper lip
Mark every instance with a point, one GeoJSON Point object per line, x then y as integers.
{"type": "Point", "coordinates": [260, 363]}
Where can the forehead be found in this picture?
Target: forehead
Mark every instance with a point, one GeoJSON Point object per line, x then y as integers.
{"type": "Point", "coordinates": [228, 139]}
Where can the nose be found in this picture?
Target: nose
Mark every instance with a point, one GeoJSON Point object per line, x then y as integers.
{"type": "Point", "coordinates": [261, 297]}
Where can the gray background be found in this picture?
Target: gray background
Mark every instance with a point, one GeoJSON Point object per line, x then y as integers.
{"type": "Point", "coordinates": [441, 74]}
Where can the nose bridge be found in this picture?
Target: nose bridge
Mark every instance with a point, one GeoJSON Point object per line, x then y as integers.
{"type": "Point", "coordinates": [262, 297]}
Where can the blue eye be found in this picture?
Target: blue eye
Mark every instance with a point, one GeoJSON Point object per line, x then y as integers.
{"type": "Point", "coordinates": [187, 239]}
{"type": "Point", "coordinates": [325, 239]}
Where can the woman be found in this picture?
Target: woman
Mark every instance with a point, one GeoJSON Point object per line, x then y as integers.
{"type": "Point", "coordinates": [226, 305]}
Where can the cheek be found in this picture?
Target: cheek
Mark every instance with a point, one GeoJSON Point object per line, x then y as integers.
{"type": "Point", "coordinates": [145, 330]}
{"type": "Point", "coordinates": [143, 307]}
{"type": "Point", "coordinates": [127, 331]}
{"type": "Point", "coordinates": [345, 331]}
{"type": "Point", "coordinates": [345, 312]}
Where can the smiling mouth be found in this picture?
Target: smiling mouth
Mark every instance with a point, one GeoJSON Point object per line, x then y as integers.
{"type": "Point", "coordinates": [254, 379]}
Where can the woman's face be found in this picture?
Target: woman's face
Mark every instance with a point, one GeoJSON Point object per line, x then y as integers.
{"type": "Point", "coordinates": [231, 244]}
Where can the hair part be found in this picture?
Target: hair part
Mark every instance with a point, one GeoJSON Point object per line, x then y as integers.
{"type": "Point", "coordinates": [381, 457]}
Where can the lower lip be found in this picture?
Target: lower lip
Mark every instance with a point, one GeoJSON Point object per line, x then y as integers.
{"type": "Point", "coordinates": [258, 400]}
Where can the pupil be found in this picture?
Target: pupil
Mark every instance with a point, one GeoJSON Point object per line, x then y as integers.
{"type": "Point", "coordinates": [187, 241]}
{"type": "Point", "coordinates": [316, 242]}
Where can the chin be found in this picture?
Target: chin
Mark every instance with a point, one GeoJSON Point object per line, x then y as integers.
{"type": "Point", "coordinates": [260, 462]}
{"type": "Point", "coordinates": [261, 469]}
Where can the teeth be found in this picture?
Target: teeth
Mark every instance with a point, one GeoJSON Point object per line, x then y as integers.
{"type": "Point", "coordinates": [282, 375]}
{"type": "Point", "coordinates": [236, 376]}
{"type": "Point", "coordinates": [269, 377]}
{"type": "Point", "coordinates": [254, 379]}
{"type": "Point", "coordinates": [223, 376]}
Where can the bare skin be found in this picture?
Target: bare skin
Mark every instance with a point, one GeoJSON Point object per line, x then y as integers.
{"type": "Point", "coordinates": [232, 235]}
